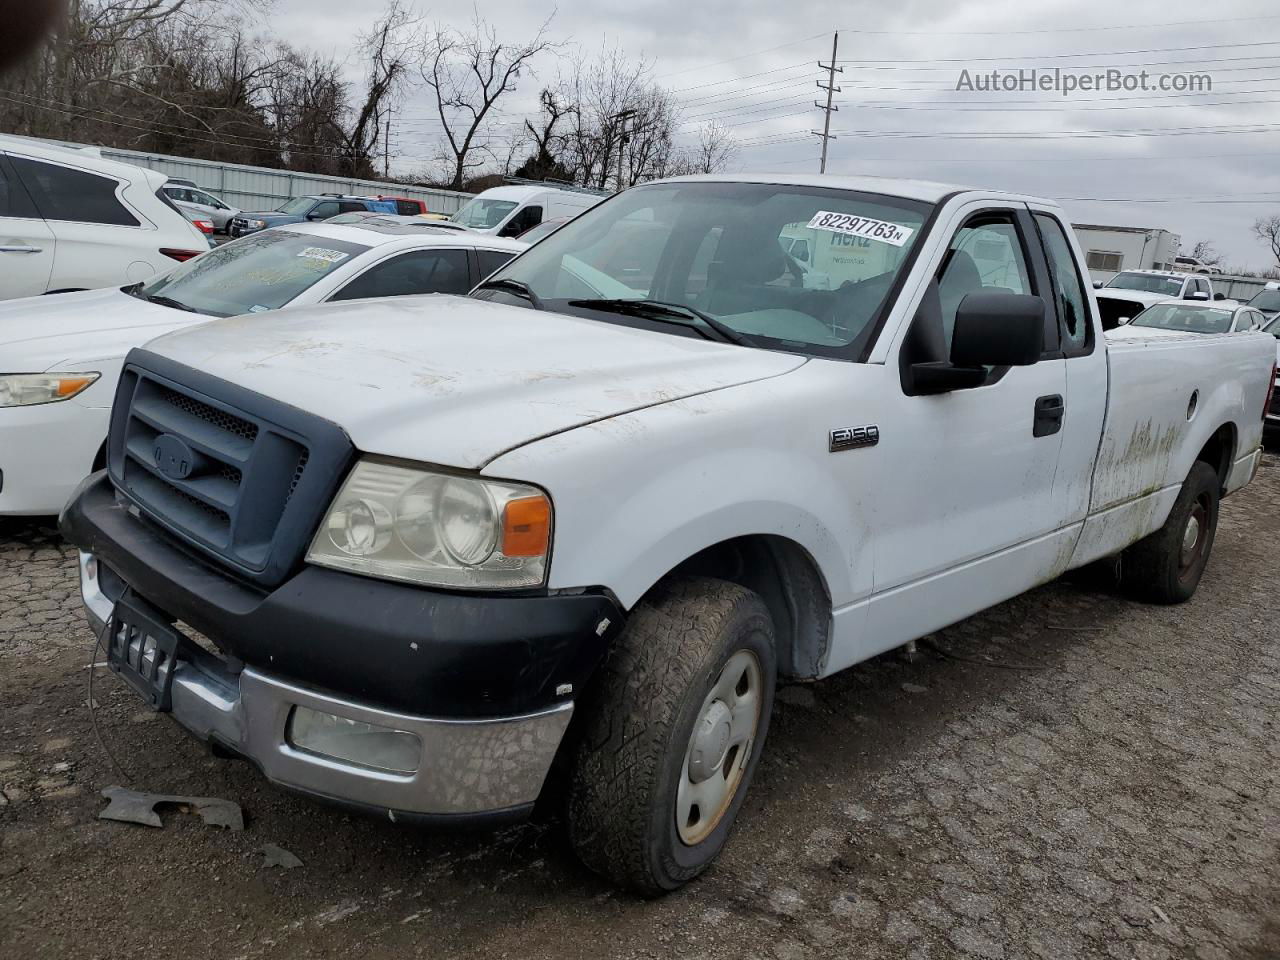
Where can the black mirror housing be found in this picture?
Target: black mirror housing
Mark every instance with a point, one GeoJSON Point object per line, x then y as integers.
{"type": "Point", "coordinates": [1097, 284]}
{"type": "Point", "coordinates": [998, 330]}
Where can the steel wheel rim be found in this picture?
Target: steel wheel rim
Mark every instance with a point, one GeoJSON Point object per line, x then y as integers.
{"type": "Point", "coordinates": [715, 759]}
{"type": "Point", "coordinates": [1193, 536]}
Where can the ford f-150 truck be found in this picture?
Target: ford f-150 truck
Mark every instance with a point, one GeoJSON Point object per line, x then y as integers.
{"type": "Point", "coordinates": [413, 555]}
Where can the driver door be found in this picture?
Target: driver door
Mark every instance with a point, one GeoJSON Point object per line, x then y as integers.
{"type": "Point", "coordinates": [966, 515]}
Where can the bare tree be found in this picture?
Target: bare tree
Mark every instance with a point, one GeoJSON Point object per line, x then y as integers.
{"type": "Point", "coordinates": [1267, 229]}
{"type": "Point", "coordinates": [716, 147]}
{"type": "Point", "coordinates": [388, 54]}
{"type": "Point", "coordinates": [469, 72]}
{"type": "Point", "coordinates": [1205, 252]}
{"type": "Point", "coordinates": [609, 98]}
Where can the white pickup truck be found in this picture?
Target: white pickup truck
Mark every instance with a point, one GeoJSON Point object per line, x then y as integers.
{"type": "Point", "coordinates": [1130, 292]}
{"type": "Point", "coordinates": [590, 516]}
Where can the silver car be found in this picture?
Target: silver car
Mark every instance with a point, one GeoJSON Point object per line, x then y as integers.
{"type": "Point", "coordinates": [204, 205]}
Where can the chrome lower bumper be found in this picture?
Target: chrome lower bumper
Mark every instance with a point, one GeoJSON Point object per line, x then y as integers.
{"type": "Point", "coordinates": [466, 767]}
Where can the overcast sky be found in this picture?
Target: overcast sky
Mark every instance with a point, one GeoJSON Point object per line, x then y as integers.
{"type": "Point", "coordinates": [752, 64]}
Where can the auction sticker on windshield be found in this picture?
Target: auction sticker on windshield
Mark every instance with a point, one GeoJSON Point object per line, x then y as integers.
{"type": "Point", "coordinates": [320, 253]}
{"type": "Point", "coordinates": [847, 223]}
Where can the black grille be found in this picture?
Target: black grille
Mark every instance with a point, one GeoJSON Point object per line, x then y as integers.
{"type": "Point", "coordinates": [238, 474]}
{"type": "Point", "coordinates": [1275, 401]}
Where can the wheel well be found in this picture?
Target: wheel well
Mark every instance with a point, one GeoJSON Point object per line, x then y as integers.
{"type": "Point", "coordinates": [787, 579]}
{"type": "Point", "coordinates": [1219, 452]}
{"type": "Point", "coordinates": [100, 458]}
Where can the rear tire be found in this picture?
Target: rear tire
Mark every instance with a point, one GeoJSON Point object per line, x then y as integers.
{"type": "Point", "coordinates": [675, 723]}
{"type": "Point", "coordinates": [1166, 566]}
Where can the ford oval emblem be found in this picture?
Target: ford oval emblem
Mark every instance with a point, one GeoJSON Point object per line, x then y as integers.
{"type": "Point", "coordinates": [173, 457]}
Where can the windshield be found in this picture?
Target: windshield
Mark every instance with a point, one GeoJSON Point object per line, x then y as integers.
{"type": "Point", "coordinates": [296, 207]}
{"type": "Point", "coordinates": [482, 214]}
{"type": "Point", "coordinates": [1268, 300]}
{"type": "Point", "coordinates": [1184, 317]}
{"type": "Point", "coordinates": [722, 249]}
{"type": "Point", "coordinates": [1147, 283]}
{"type": "Point", "coordinates": [259, 272]}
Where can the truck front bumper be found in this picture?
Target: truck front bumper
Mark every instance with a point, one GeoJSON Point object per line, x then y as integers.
{"type": "Point", "coordinates": [487, 768]}
{"type": "Point", "coordinates": [479, 706]}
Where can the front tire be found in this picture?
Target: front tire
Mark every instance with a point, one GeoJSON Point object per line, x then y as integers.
{"type": "Point", "coordinates": [674, 727]}
{"type": "Point", "coordinates": [1166, 566]}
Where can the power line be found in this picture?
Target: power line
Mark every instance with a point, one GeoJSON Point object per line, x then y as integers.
{"type": "Point", "coordinates": [1056, 30]}
{"type": "Point", "coordinates": [1067, 56]}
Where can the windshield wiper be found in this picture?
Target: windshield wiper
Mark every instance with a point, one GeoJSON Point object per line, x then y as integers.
{"type": "Point", "coordinates": [668, 312]}
{"type": "Point", "coordinates": [518, 287]}
{"type": "Point", "coordinates": [162, 300]}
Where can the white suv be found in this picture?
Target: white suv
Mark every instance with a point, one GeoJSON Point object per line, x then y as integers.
{"type": "Point", "coordinates": [70, 220]}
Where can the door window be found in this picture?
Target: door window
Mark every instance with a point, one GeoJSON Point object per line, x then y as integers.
{"type": "Point", "coordinates": [61, 193]}
{"type": "Point", "coordinates": [350, 206]}
{"type": "Point", "coordinates": [1068, 287]}
{"type": "Point", "coordinates": [491, 260]}
{"type": "Point", "coordinates": [325, 210]}
{"type": "Point", "coordinates": [423, 271]}
{"type": "Point", "coordinates": [524, 220]}
{"type": "Point", "coordinates": [985, 257]}
{"type": "Point", "coordinates": [14, 201]}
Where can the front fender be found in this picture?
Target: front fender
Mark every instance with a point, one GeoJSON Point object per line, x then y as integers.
{"type": "Point", "coordinates": [636, 495]}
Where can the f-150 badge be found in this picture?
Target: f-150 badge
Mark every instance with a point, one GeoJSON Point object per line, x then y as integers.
{"type": "Point", "coordinates": [847, 438]}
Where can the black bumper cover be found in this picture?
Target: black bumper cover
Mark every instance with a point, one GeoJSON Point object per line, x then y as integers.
{"type": "Point", "coordinates": [393, 645]}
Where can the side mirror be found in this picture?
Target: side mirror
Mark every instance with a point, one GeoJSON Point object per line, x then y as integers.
{"type": "Point", "coordinates": [1219, 296]}
{"type": "Point", "coordinates": [1097, 284]}
{"type": "Point", "coordinates": [1196, 295]}
{"type": "Point", "coordinates": [991, 330]}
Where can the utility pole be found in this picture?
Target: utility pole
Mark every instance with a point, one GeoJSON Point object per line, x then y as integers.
{"type": "Point", "coordinates": [622, 119]}
{"type": "Point", "coordinates": [831, 88]}
{"type": "Point", "coordinates": [386, 149]}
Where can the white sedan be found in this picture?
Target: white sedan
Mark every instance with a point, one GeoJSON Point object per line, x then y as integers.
{"type": "Point", "coordinates": [62, 354]}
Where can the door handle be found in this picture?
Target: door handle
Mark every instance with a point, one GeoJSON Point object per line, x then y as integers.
{"type": "Point", "coordinates": [18, 248]}
{"type": "Point", "coordinates": [1049, 413]}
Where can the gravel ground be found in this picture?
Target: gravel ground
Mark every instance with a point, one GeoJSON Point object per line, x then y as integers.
{"type": "Point", "coordinates": [1066, 775]}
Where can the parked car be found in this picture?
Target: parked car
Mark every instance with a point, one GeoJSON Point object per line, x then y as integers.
{"type": "Point", "coordinates": [1267, 301]}
{"type": "Point", "coordinates": [404, 206]}
{"type": "Point", "coordinates": [1193, 265]}
{"type": "Point", "coordinates": [62, 355]}
{"type": "Point", "coordinates": [1273, 408]}
{"type": "Point", "coordinates": [544, 229]}
{"type": "Point", "coordinates": [1130, 292]}
{"type": "Point", "coordinates": [510, 211]}
{"type": "Point", "coordinates": [1186, 317]}
{"type": "Point", "coordinates": [423, 539]}
{"type": "Point", "coordinates": [314, 208]}
{"type": "Point", "coordinates": [205, 205]}
{"type": "Point", "coordinates": [70, 220]}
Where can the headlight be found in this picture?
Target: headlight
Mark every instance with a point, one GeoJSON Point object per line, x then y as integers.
{"type": "Point", "coordinates": [404, 523]}
{"type": "Point", "coordinates": [257, 224]}
{"type": "Point", "coordinates": [28, 389]}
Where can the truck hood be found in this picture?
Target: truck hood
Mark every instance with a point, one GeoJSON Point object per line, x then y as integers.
{"type": "Point", "coordinates": [456, 381]}
{"type": "Point", "coordinates": [1132, 296]}
{"type": "Point", "coordinates": [38, 333]}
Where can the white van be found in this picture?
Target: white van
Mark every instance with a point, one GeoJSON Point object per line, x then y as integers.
{"type": "Point", "coordinates": [70, 220]}
{"type": "Point", "coordinates": [510, 211]}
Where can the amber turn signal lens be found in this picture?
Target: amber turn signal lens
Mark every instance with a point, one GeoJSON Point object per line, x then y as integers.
{"type": "Point", "coordinates": [526, 527]}
{"type": "Point", "coordinates": [70, 386]}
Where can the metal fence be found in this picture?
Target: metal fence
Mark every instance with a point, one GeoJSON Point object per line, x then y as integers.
{"type": "Point", "coordinates": [261, 188]}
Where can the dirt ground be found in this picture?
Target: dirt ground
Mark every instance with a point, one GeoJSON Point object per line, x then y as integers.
{"type": "Point", "coordinates": [1066, 775]}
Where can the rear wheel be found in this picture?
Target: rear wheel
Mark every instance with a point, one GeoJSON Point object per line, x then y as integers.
{"type": "Point", "coordinates": [674, 727]}
{"type": "Point", "coordinates": [1166, 566]}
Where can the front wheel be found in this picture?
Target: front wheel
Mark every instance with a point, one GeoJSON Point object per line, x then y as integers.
{"type": "Point", "coordinates": [673, 730]}
{"type": "Point", "coordinates": [1166, 566]}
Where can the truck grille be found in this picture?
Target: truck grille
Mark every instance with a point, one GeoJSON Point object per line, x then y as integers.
{"type": "Point", "coordinates": [243, 477]}
{"type": "Point", "coordinates": [1275, 402]}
